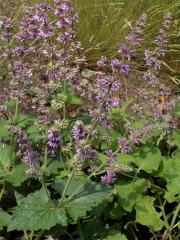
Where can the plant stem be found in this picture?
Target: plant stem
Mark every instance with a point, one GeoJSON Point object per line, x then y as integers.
{"type": "Point", "coordinates": [175, 216]}
{"type": "Point", "coordinates": [82, 185]}
{"type": "Point", "coordinates": [163, 213]}
{"type": "Point", "coordinates": [64, 105]}
{"type": "Point", "coordinates": [178, 223]}
{"type": "Point", "coordinates": [126, 88]}
{"type": "Point", "coordinates": [26, 235]}
{"type": "Point", "coordinates": [66, 187]}
{"type": "Point", "coordinates": [45, 157]}
{"type": "Point", "coordinates": [2, 191]}
{"type": "Point", "coordinates": [45, 150]}
{"type": "Point", "coordinates": [46, 190]}
{"type": "Point", "coordinates": [31, 235]}
{"type": "Point", "coordinates": [16, 111]}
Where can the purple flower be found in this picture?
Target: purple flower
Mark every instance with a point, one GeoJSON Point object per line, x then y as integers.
{"type": "Point", "coordinates": [123, 68]}
{"type": "Point", "coordinates": [111, 158]}
{"type": "Point", "coordinates": [150, 77]}
{"type": "Point", "coordinates": [134, 40]}
{"type": "Point", "coordinates": [152, 61]}
{"type": "Point", "coordinates": [54, 142]}
{"type": "Point", "coordinates": [85, 152]}
{"type": "Point", "coordinates": [78, 131]}
{"type": "Point", "coordinates": [114, 102]}
{"type": "Point", "coordinates": [135, 137]}
{"type": "Point", "coordinates": [109, 178]}
{"type": "Point", "coordinates": [161, 40]}
{"type": "Point", "coordinates": [127, 52]}
{"type": "Point", "coordinates": [101, 62]}
{"type": "Point", "coordinates": [109, 83]}
{"type": "Point", "coordinates": [30, 158]}
{"type": "Point", "coordinates": [123, 146]}
{"type": "Point", "coordinates": [161, 52]}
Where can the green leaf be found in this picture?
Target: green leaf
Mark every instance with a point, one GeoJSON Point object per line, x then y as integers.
{"type": "Point", "coordinates": [124, 158]}
{"type": "Point", "coordinates": [102, 157]}
{"type": "Point", "coordinates": [175, 138]}
{"type": "Point", "coordinates": [4, 219]}
{"type": "Point", "coordinates": [6, 155]}
{"type": "Point", "coordinates": [53, 167]}
{"type": "Point", "coordinates": [90, 195]}
{"type": "Point", "coordinates": [18, 175]}
{"type": "Point", "coordinates": [170, 172]}
{"type": "Point", "coordinates": [36, 213]}
{"type": "Point", "coordinates": [147, 215]}
{"type": "Point", "coordinates": [34, 134]}
{"type": "Point", "coordinates": [74, 100]}
{"type": "Point", "coordinates": [148, 159]}
{"type": "Point", "coordinates": [173, 191]}
{"type": "Point", "coordinates": [130, 192]}
{"type": "Point", "coordinates": [116, 236]}
{"type": "Point", "coordinates": [4, 132]}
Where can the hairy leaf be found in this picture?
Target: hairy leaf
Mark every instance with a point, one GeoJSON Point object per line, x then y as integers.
{"type": "Point", "coordinates": [18, 175]}
{"type": "Point", "coordinates": [89, 195]}
{"type": "Point", "coordinates": [4, 219]}
{"type": "Point", "coordinates": [130, 192]}
{"type": "Point", "coordinates": [36, 213]}
{"type": "Point", "coordinates": [147, 215]}
{"type": "Point", "coordinates": [6, 155]}
{"type": "Point", "coordinates": [148, 159]}
{"type": "Point", "coordinates": [170, 172]}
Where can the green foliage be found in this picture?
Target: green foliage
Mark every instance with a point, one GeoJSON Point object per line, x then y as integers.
{"type": "Point", "coordinates": [4, 219]}
{"type": "Point", "coordinates": [6, 156]}
{"type": "Point", "coordinates": [17, 175]}
{"type": "Point", "coordinates": [147, 215]}
{"type": "Point", "coordinates": [35, 212]}
{"type": "Point", "coordinates": [130, 192]}
{"type": "Point", "coordinates": [148, 159]}
{"type": "Point", "coordinates": [4, 133]}
{"type": "Point", "coordinates": [170, 172]}
{"type": "Point", "coordinates": [116, 236]}
{"type": "Point", "coordinates": [89, 196]}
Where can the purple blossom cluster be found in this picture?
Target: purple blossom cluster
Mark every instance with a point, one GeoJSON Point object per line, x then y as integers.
{"type": "Point", "coordinates": [54, 142]}
{"type": "Point", "coordinates": [135, 37]}
{"type": "Point", "coordinates": [24, 149]}
{"type": "Point", "coordinates": [111, 158]}
{"type": "Point", "coordinates": [78, 131]}
{"type": "Point", "coordinates": [109, 178]}
{"type": "Point", "coordinates": [109, 85]}
{"type": "Point", "coordinates": [151, 57]}
{"type": "Point", "coordinates": [124, 146]}
{"type": "Point", "coordinates": [80, 136]}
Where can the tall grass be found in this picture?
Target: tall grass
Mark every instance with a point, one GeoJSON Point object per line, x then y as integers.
{"type": "Point", "coordinates": [103, 24]}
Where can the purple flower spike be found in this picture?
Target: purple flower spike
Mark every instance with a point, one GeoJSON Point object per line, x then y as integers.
{"type": "Point", "coordinates": [109, 178]}
{"type": "Point", "coordinates": [124, 148]}
{"type": "Point", "coordinates": [111, 158]}
{"type": "Point", "coordinates": [54, 142]}
{"type": "Point", "coordinates": [124, 68]}
{"type": "Point", "coordinates": [127, 52]}
{"type": "Point", "coordinates": [30, 158]}
{"type": "Point", "coordinates": [78, 131]}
